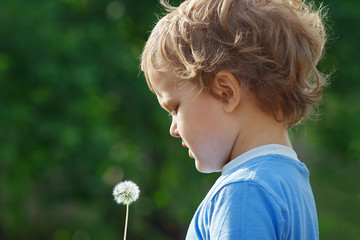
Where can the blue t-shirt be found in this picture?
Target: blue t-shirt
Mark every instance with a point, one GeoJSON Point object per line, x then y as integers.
{"type": "Point", "coordinates": [263, 194]}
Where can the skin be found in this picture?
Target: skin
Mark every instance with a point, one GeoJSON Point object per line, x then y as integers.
{"type": "Point", "coordinates": [218, 127]}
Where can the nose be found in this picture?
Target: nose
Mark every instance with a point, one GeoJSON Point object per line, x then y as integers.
{"type": "Point", "coordinates": [173, 128]}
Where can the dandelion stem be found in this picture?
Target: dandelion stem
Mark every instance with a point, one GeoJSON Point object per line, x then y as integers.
{"type": "Point", "coordinates": [126, 219]}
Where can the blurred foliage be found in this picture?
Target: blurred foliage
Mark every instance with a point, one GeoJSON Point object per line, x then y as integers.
{"type": "Point", "coordinates": [76, 118]}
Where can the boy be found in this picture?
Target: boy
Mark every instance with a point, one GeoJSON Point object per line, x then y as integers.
{"type": "Point", "coordinates": [235, 75]}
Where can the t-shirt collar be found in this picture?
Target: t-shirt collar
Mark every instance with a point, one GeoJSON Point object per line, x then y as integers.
{"type": "Point", "coordinates": [274, 149]}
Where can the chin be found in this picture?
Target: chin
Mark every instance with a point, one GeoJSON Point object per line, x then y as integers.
{"type": "Point", "coordinates": [206, 169]}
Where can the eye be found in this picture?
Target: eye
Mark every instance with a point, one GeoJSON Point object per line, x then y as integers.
{"type": "Point", "coordinates": [174, 111]}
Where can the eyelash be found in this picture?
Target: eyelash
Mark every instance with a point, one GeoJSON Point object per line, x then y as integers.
{"type": "Point", "coordinates": [174, 111]}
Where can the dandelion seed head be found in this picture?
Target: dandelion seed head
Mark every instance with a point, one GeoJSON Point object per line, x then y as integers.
{"type": "Point", "coordinates": [126, 192]}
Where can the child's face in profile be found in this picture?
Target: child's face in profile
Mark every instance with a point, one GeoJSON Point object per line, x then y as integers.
{"type": "Point", "coordinates": [197, 118]}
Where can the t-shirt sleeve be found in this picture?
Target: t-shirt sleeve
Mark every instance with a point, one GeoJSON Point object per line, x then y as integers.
{"type": "Point", "coordinates": [245, 210]}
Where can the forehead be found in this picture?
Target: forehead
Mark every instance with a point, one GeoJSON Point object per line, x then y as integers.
{"type": "Point", "coordinates": [162, 81]}
{"type": "Point", "coordinates": [168, 88]}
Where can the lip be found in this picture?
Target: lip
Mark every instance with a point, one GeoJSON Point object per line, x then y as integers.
{"type": "Point", "coordinates": [189, 152]}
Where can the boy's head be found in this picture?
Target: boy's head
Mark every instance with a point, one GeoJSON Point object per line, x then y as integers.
{"type": "Point", "coordinates": [272, 48]}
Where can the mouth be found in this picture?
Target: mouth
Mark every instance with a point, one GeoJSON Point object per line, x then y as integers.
{"type": "Point", "coordinates": [189, 151]}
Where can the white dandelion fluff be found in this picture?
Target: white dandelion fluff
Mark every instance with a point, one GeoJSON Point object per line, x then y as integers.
{"type": "Point", "coordinates": [126, 192]}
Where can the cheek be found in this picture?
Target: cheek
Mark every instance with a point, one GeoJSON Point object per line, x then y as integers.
{"type": "Point", "coordinates": [201, 123]}
{"type": "Point", "coordinates": [211, 143]}
{"type": "Point", "coordinates": [191, 125]}
{"type": "Point", "coordinates": [204, 135]}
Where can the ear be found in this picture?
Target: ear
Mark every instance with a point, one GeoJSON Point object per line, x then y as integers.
{"type": "Point", "coordinates": [226, 87]}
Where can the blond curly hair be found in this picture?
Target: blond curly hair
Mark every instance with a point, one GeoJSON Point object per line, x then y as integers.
{"type": "Point", "coordinates": [271, 46]}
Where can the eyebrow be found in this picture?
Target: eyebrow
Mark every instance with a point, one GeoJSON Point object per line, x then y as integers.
{"type": "Point", "coordinates": [156, 92]}
{"type": "Point", "coordinates": [162, 103]}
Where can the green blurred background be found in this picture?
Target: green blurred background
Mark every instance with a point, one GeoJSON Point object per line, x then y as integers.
{"type": "Point", "coordinates": [76, 118]}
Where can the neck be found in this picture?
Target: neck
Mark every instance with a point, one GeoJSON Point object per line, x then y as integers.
{"type": "Point", "coordinates": [257, 129]}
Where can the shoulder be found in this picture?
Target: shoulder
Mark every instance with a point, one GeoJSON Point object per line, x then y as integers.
{"type": "Point", "coordinates": [256, 201]}
{"type": "Point", "coordinates": [268, 170]}
{"type": "Point", "coordinates": [265, 179]}
{"type": "Point", "coordinates": [245, 208]}
{"type": "Point", "coordinates": [246, 193]}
